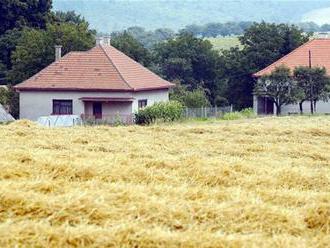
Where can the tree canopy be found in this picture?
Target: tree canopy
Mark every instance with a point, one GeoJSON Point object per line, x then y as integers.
{"type": "Point", "coordinates": [263, 44]}
{"type": "Point", "coordinates": [127, 44]}
{"type": "Point", "coordinates": [190, 60]}
{"type": "Point", "coordinates": [35, 48]}
{"type": "Point", "coordinates": [279, 87]}
{"type": "Point", "coordinates": [314, 85]}
{"type": "Point", "coordinates": [24, 13]}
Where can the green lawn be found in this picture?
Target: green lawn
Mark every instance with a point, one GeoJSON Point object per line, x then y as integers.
{"type": "Point", "coordinates": [224, 42]}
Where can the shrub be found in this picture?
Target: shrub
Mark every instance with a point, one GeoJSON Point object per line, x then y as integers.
{"type": "Point", "coordinates": [243, 114]}
{"type": "Point", "coordinates": [162, 112]}
{"type": "Point", "coordinates": [248, 113]}
{"type": "Point", "coordinates": [189, 98]}
{"type": "Point", "coordinates": [232, 116]}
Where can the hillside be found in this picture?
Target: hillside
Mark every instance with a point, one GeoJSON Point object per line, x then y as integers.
{"type": "Point", "coordinates": [110, 15]}
{"type": "Point", "coordinates": [251, 183]}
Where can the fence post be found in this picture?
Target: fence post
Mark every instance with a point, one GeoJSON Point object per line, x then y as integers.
{"type": "Point", "coordinates": [231, 108]}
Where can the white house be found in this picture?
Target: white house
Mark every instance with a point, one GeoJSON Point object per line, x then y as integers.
{"type": "Point", "coordinates": [102, 83]}
{"type": "Point", "coordinates": [313, 53]}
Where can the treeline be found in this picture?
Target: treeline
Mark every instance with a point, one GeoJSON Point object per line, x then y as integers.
{"type": "Point", "coordinates": [150, 38]}
{"type": "Point", "coordinates": [147, 38]}
{"type": "Point", "coordinates": [238, 28]}
{"type": "Point", "coordinates": [29, 31]}
{"type": "Point", "coordinates": [218, 29]}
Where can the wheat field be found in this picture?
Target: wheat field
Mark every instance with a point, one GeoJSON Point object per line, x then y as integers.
{"type": "Point", "coordinates": [247, 183]}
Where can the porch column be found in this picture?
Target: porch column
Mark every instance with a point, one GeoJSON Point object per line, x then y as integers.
{"type": "Point", "coordinates": [255, 104]}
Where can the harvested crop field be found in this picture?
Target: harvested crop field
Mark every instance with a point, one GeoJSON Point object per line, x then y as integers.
{"type": "Point", "coordinates": [262, 182]}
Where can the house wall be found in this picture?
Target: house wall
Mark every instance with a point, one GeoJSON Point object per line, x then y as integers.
{"type": "Point", "coordinates": [152, 97]}
{"type": "Point", "coordinates": [321, 108]}
{"type": "Point", "coordinates": [34, 104]}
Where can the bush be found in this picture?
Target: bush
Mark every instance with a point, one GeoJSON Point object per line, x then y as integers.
{"type": "Point", "coordinates": [243, 114]}
{"type": "Point", "coordinates": [232, 116]}
{"type": "Point", "coordinates": [248, 113]}
{"type": "Point", "coordinates": [162, 112]}
{"type": "Point", "coordinates": [190, 99]}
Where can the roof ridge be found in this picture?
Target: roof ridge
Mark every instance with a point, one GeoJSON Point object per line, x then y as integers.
{"type": "Point", "coordinates": [138, 64]}
{"type": "Point", "coordinates": [111, 61]}
{"type": "Point", "coordinates": [284, 57]}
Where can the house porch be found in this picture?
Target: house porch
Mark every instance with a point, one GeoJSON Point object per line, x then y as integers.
{"type": "Point", "coordinates": [107, 110]}
{"type": "Point", "coordinates": [262, 105]}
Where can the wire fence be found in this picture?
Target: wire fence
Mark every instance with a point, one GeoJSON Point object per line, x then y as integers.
{"type": "Point", "coordinates": [207, 112]}
{"type": "Point", "coordinates": [188, 113]}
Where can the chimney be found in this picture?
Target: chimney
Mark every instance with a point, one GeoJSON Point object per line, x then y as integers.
{"type": "Point", "coordinates": [58, 52]}
{"type": "Point", "coordinates": [99, 41]}
{"type": "Point", "coordinates": [107, 40]}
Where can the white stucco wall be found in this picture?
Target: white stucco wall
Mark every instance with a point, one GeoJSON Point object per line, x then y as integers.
{"type": "Point", "coordinates": [34, 104]}
{"type": "Point", "coordinates": [321, 108]}
{"type": "Point", "coordinates": [152, 97]}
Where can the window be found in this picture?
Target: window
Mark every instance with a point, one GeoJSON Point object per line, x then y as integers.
{"type": "Point", "coordinates": [143, 103]}
{"type": "Point", "coordinates": [62, 107]}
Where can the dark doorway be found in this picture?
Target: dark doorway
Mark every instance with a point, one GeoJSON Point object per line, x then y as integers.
{"type": "Point", "coordinates": [97, 110]}
{"type": "Point", "coordinates": [265, 106]}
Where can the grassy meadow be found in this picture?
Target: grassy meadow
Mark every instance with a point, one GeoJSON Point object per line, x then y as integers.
{"type": "Point", "coordinates": [225, 43]}
{"type": "Point", "coordinates": [244, 183]}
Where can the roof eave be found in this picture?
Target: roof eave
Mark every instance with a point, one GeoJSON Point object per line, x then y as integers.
{"type": "Point", "coordinates": [20, 89]}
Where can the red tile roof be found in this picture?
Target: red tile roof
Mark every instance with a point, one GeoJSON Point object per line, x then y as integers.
{"type": "Point", "coordinates": [103, 68]}
{"type": "Point", "coordinates": [320, 56]}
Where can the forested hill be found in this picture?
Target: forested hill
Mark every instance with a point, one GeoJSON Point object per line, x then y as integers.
{"type": "Point", "coordinates": [110, 15]}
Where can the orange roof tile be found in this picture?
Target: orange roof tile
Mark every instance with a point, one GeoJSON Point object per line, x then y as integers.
{"type": "Point", "coordinates": [103, 68]}
{"type": "Point", "coordinates": [320, 56]}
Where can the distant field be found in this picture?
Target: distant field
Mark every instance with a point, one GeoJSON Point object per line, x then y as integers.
{"type": "Point", "coordinates": [248, 183]}
{"type": "Point", "coordinates": [224, 42]}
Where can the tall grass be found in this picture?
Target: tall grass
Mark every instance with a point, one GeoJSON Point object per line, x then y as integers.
{"type": "Point", "coordinates": [255, 183]}
{"type": "Point", "coordinates": [244, 114]}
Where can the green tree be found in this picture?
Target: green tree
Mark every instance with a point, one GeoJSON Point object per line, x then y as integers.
{"type": "Point", "coordinates": [35, 48]}
{"type": "Point", "coordinates": [191, 61]}
{"type": "Point", "coordinates": [3, 96]}
{"type": "Point", "coordinates": [190, 99]}
{"type": "Point", "coordinates": [263, 44]}
{"type": "Point", "coordinates": [8, 43]}
{"type": "Point", "coordinates": [68, 17]}
{"type": "Point", "coordinates": [279, 87]}
{"type": "Point", "coordinates": [127, 44]}
{"type": "Point", "coordinates": [314, 85]}
{"type": "Point", "coordinates": [23, 13]}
